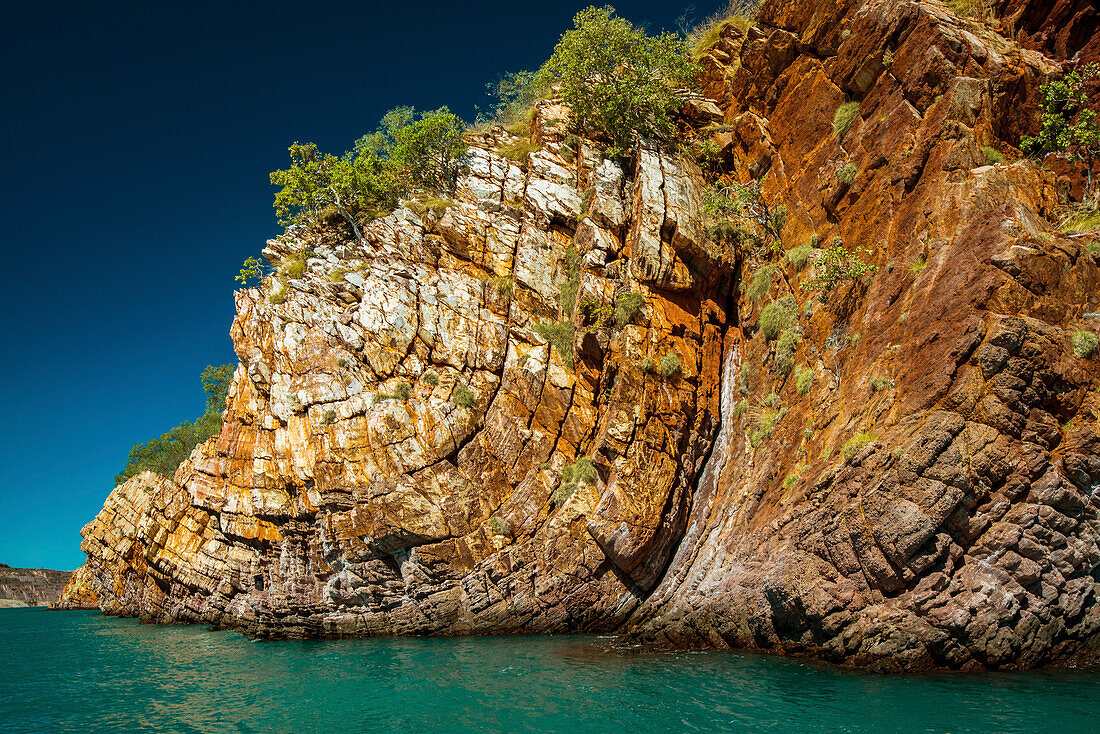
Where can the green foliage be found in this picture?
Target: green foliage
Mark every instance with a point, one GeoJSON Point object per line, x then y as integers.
{"type": "Point", "coordinates": [581, 471]}
{"type": "Point", "coordinates": [706, 35]}
{"type": "Point", "coordinates": [1080, 219]}
{"type": "Point", "coordinates": [560, 336]}
{"type": "Point", "coordinates": [888, 58]}
{"type": "Point", "coordinates": [761, 282]}
{"type": "Point", "coordinates": [294, 266]}
{"type": "Point", "coordinates": [337, 275]}
{"type": "Point", "coordinates": [785, 351]}
{"type": "Point", "coordinates": [568, 289]}
{"type": "Point", "coordinates": [1093, 247]}
{"type": "Point", "coordinates": [619, 80]}
{"type": "Point", "coordinates": [976, 9]}
{"type": "Point", "coordinates": [744, 202]}
{"type": "Point", "coordinates": [778, 316]}
{"type": "Point", "coordinates": [800, 256]}
{"type": "Point", "coordinates": [772, 400]}
{"type": "Point", "coordinates": [669, 365]}
{"type": "Point", "coordinates": [253, 268]}
{"type": "Point", "coordinates": [647, 365]}
{"type": "Point", "coordinates": [409, 151]}
{"type": "Point", "coordinates": [1068, 125]}
{"type": "Point", "coordinates": [835, 266]}
{"type": "Point", "coordinates": [1084, 344]}
{"type": "Point", "coordinates": [499, 526]}
{"type": "Point", "coordinates": [329, 418]}
{"type": "Point", "coordinates": [847, 174]}
{"type": "Point", "coordinates": [992, 156]}
{"type": "Point", "coordinates": [164, 455]}
{"type": "Point", "coordinates": [278, 295]}
{"type": "Point", "coordinates": [917, 266]}
{"type": "Point", "coordinates": [844, 118]}
{"type": "Point", "coordinates": [401, 391]}
{"type": "Point", "coordinates": [741, 408]}
{"type": "Point", "coordinates": [627, 306]}
{"type": "Point", "coordinates": [518, 151]}
{"type": "Point", "coordinates": [463, 396]}
{"type": "Point", "coordinates": [429, 377]}
{"type": "Point", "coordinates": [765, 425]}
{"type": "Point", "coordinates": [857, 443]}
{"type": "Point", "coordinates": [803, 379]}
{"type": "Point", "coordinates": [878, 384]}
{"type": "Point", "coordinates": [434, 205]}
{"type": "Point", "coordinates": [502, 285]}
{"type": "Point", "coordinates": [516, 94]}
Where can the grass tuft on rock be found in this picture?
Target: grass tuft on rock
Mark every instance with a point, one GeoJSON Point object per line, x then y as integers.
{"type": "Point", "coordinates": [560, 336]}
{"type": "Point", "coordinates": [761, 282]}
{"type": "Point", "coordinates": [463, 396]}
{"type": "Point", "coordinates": [844, 118]}
{"type": "Point", "coordinates": [1085, 344]}
{"type": "Point", "coordinates": [627, 306]}
{"type": "Point", "coordinates": [669, 365]}
{"type": "Point", "coordinates": [778, 316]}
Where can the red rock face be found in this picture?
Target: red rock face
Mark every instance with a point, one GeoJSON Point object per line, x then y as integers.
{"type": "Point", "coordinates": [918, 491]}
{"type": "Point", "coordinates": [1059, 28]}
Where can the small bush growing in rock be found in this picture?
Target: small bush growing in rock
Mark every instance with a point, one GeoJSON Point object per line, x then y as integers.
{"type": "Point", "coordinates": [295, 266]}
{"type": "Point", "coordinates": [518, 151]}
{"type": "Point", "coordinates": [772, 400]}
{"type": "Point", "coordinates": [329, 418]}
{"type": "Point", "coordinates": [278, 295]}
{"type": "Point", "coordinates": [429, 378]}
{"type": "Point", "coordinates": [670, 365]}
{"type": "Point", "coordinates": [846, 174]}
{"type": "Point", "coordinates": [836, 265]}
{"type": "Point", "coordinates": [778, 316]}
{"type": "Point", "coordinates": [844, 118]}
{"type": "Point", "coordinates": [803, 379]}
{"type": "Point", "coordinates": [878, 384]}
{"type": "Point", "coordinates": [560, 336]}
{"type": "Point", "coordinates": [402, 390]}
{"type": "Point", "coordinates": [647, 365]}
{"type": "Point", "coordinates": [627, 306]}
{"type": "Point", "coordinates": [761, 282]}
{"type": "Point", "coordinates": [741, 408]}
{"type": "Point", "coordinates": [856, 443]}
{"type": "Point", "coordinates": [463, 396]}
{"type": "Point", "coordinates": [499, 526]}
{"type": "Point", "coordinates": [800, 256]}
{"type": "Point", "coordinates": [765, 425]}
{"type": "Point", "coordinates": [1084, 344]}
{"type": "Point", "coordinates": [502, 285]}
{"type": "Point", "coordinates": [992, 156]}
{"type": "Point", "coordinates": [568, 290]}
{"type": "Point", "coordinates": [434, 205]}
{"type": "Point", "coordinates": [581, 471]}
{"type": "Point", "coordinates": [917, 266]}
{"type": "Point", "coordinates": [785, 351]}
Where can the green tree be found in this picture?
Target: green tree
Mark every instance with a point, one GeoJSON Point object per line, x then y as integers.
{"type": "Point", "coordinates": [408, 151]}
{"type": "Point", "coordinates": [836, 265]}
{"type": "Point", "coordinates": [164, 455]}
{"type": "Point", "coordinates": [619, 80]}
{"type": "Point", "coordinates": [1067, 124]}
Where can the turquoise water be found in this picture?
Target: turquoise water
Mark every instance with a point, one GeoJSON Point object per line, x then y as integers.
{"type": "Point", "coordinates": [83, 672]}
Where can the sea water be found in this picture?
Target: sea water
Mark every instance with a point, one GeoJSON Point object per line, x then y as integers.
{"type": "Point", "coordinates": [84, 672]}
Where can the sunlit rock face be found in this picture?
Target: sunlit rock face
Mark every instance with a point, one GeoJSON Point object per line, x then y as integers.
{"type": "Point", "coordinates": [396, 437]}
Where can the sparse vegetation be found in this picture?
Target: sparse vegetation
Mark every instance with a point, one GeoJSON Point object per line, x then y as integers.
{"type": "Point", "coordinates": [502, 285]}
{"type": "Point", "coordinates": [647, 365]}
{"type": "Point", "coordinates": [429, 377]}
{"type": "Point", "coordinates": [745, 202]}
{"type": "Point", "coordinates": [499, 526]}
{"type": "Point", "coordinates": [164, 455]}
{"type": "Point", "coordinates": [278, 295]}
{"type": "Point", "coordinates": [560, 336]}
{"type": "Point", "coordinates": [878, 384]}
{"type": "Point", "coordinates": [803, 379]}
{"type": "Point", "coordinates": [568, 290]}
{"type": "Point", "coordinates": [251, 269]}
{"type": "Point", "coordinates": [401, 391]}
{"type": "Point", "coordinates": [992, 156]}
{"type": "Point", "coordinates": [846, 174]}
{"type": "Point", "coordinates": [1080, 219]}
{"type": "Point", "coordinates": [835, 266]}
{"type": "Point", "coordinates": [627, 306]}
{"type": "Point", "coordinates": [669, 365]}
{"type": "Point", "coordinates": [857, 443]}
{"type": "Point", "coordinates": [799, 257]}
{"type": "Point", "coordinates": [706, 35]}
{"type": "Point", "coordinates": [1084, 344]}
{"type": "Point", "coordinates": [329, 418]}
{"type": "Point", "coordinates": [518, 151]}
{"type": "Point", "coordinates": [778, 317]}
{"type": "Point", "coordinates": [741, 408]}
{"type": "Point", "coordinates": [463, 396]}
{"type": "Point", "coordinates": [785, 349]}
{"type": "Point", "coordinates": [581, 471]}
{"type": "Point", "coordinates": [917, 266]}
{"type": "Point", "coordinates": [761, 282]}
{"type": "Point", "coordinates": [434, 205]}
{"type": "Point", "coordinates": [843, 120]}
{"type": "Point", "coordinates": [293, 267]}
{"type": "Point", "coordinates": [1068, 125]}
{"type": "Point", "coordinates": [765, 425]}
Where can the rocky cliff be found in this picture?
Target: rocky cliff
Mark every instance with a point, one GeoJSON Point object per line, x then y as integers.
{"type": "Point", "coordinates": [30, 587]}
{"type": "Point", "coordinates": [549, 406]}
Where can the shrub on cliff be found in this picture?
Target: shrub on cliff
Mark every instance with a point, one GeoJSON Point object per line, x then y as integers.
{"type": "Point", "coordinates": [1085, 344]}
{"type": "Point", "coordinates": [163, 455]}
{"type": "Point", "coordinates": [835, 266]}
{"type": "Point", "coordinates": [1068, 124]}
{"type": "Point", "coordinates": [619, 80]}
{"type": "Point", "coordinates": [844, 118]}
{"type": "Point", "coordinates": [778, 317]}
{"type": "Point", "coordinates": [408, 152]}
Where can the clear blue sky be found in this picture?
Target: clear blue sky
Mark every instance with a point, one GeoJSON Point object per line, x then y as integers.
{"type": "Point", "coordinates": [137, 142]}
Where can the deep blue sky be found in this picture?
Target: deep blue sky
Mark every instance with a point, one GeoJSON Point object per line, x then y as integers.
{"type": "Point", "coordinates": [137, 139]}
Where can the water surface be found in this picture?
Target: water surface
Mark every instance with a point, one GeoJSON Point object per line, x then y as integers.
{"type": "Point", "coordinates": [87, 673]}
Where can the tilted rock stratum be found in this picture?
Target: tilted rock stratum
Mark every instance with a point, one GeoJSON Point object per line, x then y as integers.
{"type": "Point", "coordinates": [30, 587]}
{"type": "Point", "coordinates": [396, 436]}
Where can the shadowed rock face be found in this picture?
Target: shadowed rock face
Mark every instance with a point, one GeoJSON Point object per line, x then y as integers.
{"type": "Point", "coordinates": [928, 500]}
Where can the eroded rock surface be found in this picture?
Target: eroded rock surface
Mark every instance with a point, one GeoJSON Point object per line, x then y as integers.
{"type": "Point", "coordinates": [928, 500]}
{"type": "Point", "coordinates": [30, 587]}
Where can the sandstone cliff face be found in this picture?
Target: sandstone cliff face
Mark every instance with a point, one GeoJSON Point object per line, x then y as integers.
{"type": "Point", "coordinates": [928, 501]}
{"type": "Point", "coordinates": [30, 587]}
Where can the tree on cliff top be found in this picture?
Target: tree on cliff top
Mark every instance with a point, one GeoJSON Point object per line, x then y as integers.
{"type": "Point", "coordinates": [408, 152]}
{"type": "Point", "coordinates": [163, 455]}
{"type": "Point", "coordinates": [619, 80]}
{"type": "Point", "coordinates": [1068, 125]}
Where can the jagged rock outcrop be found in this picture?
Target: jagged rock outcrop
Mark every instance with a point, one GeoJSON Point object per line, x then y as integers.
{"type": "Point", "coordinates": [30, 587]}
{"type": "Point", "coordinates": [400, 436]}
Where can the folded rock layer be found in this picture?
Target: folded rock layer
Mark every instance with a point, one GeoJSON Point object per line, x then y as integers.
{"type": "Point", "coordinates": [423, 437]}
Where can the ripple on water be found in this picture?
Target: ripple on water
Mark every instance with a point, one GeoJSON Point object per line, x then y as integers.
{"type": "Point", "coordinates": [83, 672]}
